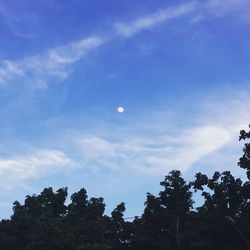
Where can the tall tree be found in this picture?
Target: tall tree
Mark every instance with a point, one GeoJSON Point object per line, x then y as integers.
{"type": "Point", "coordinates": [245, 159]}
{"type": "Point", "coordinates": [164, 220]}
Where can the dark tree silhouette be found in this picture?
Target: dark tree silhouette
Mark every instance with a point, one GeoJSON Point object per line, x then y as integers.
{"type": "Point", "coordinates": [169, 220]}
{"type": "Point", "coordinates": [245, 159]}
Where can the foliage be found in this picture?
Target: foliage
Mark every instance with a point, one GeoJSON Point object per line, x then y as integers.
{"type": "Point", "coordinates": [168, 221]}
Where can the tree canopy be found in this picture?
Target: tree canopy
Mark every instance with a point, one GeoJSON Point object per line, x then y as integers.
{"type": "Point", "coordinates": [169, 220]}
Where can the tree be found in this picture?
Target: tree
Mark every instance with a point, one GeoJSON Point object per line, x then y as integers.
{"type": "Point", "coordinates": [245, 159]}
{"type": "Point", "coordinates": [176, 198]}
{"type": "Point", "coordinates": [163, 222]}
{"type": "Point", "coordinates": [222, 198]}
{"type": "Point", "coordinates": [78, 206]}
{"type": "Point", "coordinates": [169, 220]}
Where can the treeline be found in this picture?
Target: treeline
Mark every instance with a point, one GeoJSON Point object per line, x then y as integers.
{"type": "Point", "coordinates": [169, 221]}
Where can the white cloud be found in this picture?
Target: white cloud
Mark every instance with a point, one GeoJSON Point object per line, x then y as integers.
{"type": "Point", "coordinates": [10, 70]}
{"type": "Point", "coordinates": [71, 53]}
{"type": "Point", "coordinates": [55, 62]}
{"type": "Point", "coordinates": [154, 156]}
{"type": "Point", "coordinates": [18, 172]}
{"type": "Point", "coordinates": [129, 29]}
{"type": "Point", "coordinates": [155, 142]}
{"type": "Point", "coordinates": [200, 10]}
{"type": "Point", "coordinates": [220, 8]}
{"type": "Point", "coordinates": [94, 147]}
{"type": "Point", "coordinates": [142, 149]}
{"type": "Point", "coordinates": [198, 143]}
{"type": "Point", "coordinates": [34, 165]}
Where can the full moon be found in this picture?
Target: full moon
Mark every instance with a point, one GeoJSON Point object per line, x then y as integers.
{"type": "Point", "coordinates": [120, 109]}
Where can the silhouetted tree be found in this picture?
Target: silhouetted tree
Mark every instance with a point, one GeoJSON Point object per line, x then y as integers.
{"type": "Point", "coordinates": [169, 220]}
{"type": "Point", "coordinates": [245, 159]}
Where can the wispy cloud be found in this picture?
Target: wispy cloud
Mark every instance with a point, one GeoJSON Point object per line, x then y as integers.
{"type": "Point", "coordinates": [53, 63]}
{"type": "Point", "coordinates": [125, 155]}
{"type": "Point", "coordinates": [238, 9]}
{"type": "Point", "coordinates": [19, 171]}
{"type": "Point", "coordinates": [10, 70]}
{"type": "Point", "coordinates": [214, 126]}
{"type": "Point", "coordinates": [154, 156]}
{"type": "Point", "coordinates": [22, 24]}
{"type": "Point", "coordinates": [57, 62]}
{"type": "Point", "coordinates": [34, 165]}
{"type": "Point", "coordinates": [142, 23]}
{"type": "Point", "coordinates": [221, 8]}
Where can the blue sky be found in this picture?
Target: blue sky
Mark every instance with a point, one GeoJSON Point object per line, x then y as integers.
{"type": "Point", "coordinates": [179, 68]}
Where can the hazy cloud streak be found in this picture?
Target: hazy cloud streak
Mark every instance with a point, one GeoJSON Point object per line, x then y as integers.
{"type": "Point", "coordinates": [53, 63]}
{"type": "Point", "coordinates": [57, 62]}
{"type": "Point", "coordinates": [142, 23]}
{"type": "Point", "coordinates": [158, 156]}
{"type": "Point", "coordinates": [30, 166]}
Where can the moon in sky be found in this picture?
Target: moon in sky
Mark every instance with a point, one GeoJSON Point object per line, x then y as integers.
{"type": "Point", "coordinates": [120, 109]}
